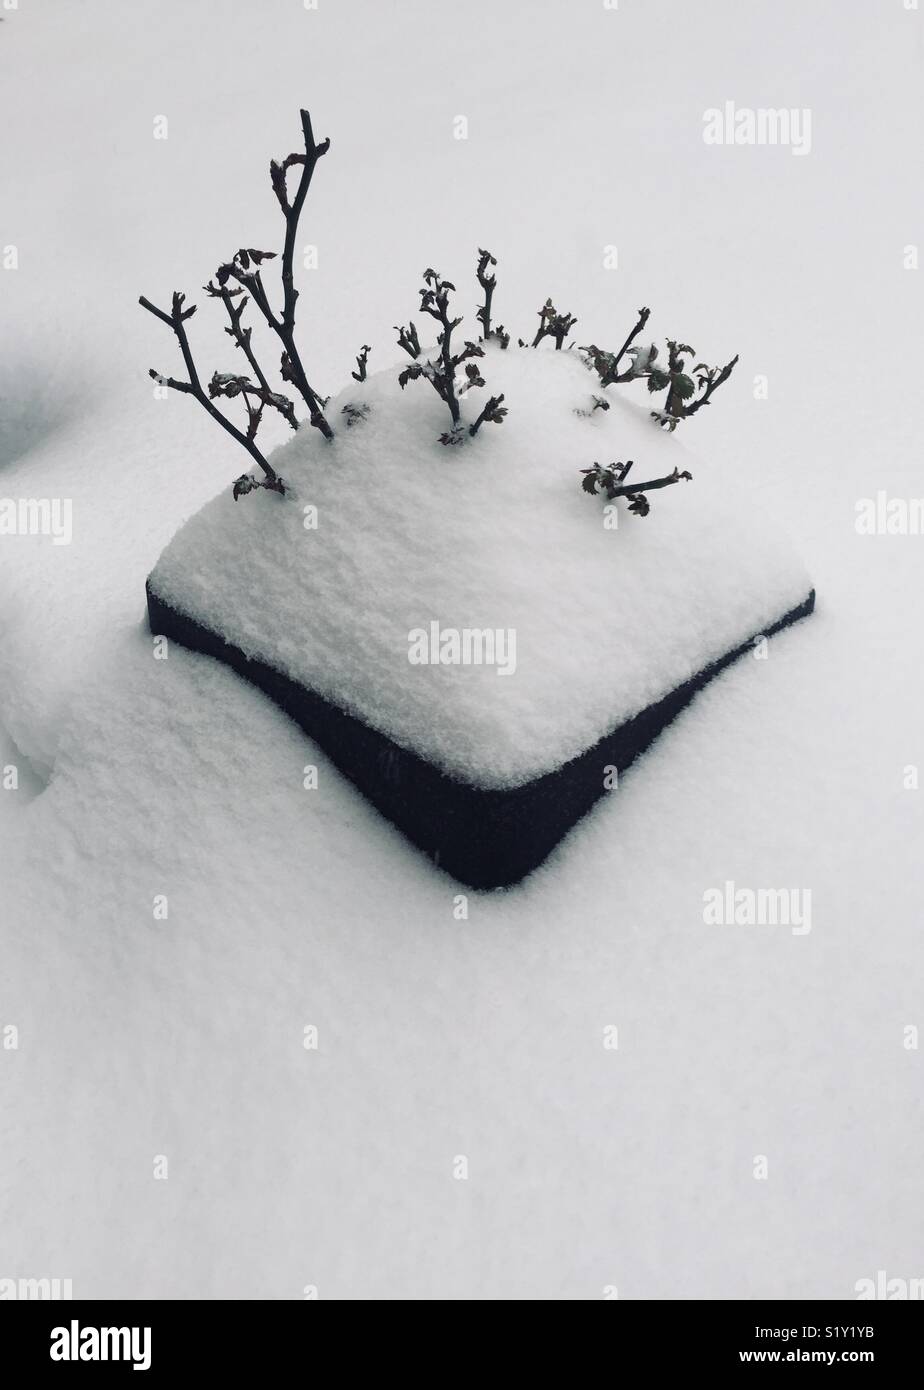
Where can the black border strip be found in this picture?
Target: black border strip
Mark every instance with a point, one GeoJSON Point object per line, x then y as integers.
{"type": "Point", "coordinates": [485, 838]}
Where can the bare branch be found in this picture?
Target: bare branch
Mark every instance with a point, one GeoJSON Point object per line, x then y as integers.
{"type": "Point", "coordinates": [487, 283]}
{"type": "Point", "coordinates": [249, 277]}
{"type": "Point", "coordinates": [552, 324]}
{"type": "Point", "coordinates": [177, 322]}
{"type": "Point", "coordinates": [494, 411]}
{"type": "Point", "coordinates": [434, 300]}
{"type": "Point", "coordinates": [408, 339]}
{"type": "Point", "coordinates": [611, 481]}
{"type": "Point", "coordinates": [361, 361]}
{"type": "Point", "coordinates": [612, 375]}
{"type": "Point", "coordinates": [242, 338]}
{"type": "Point", "coordinates": [713, 380]}
{"type": "Point", "coordinates": [441, 371]}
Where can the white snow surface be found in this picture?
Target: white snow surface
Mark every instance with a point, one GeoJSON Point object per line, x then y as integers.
{"type": "Point", "coordinates": [440, 1036]}
{"type": "Point", "coordinates": [494, 533]}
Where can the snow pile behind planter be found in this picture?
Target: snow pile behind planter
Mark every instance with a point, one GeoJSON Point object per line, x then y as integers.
{"type": "Point", "coordinates": [596, 624]}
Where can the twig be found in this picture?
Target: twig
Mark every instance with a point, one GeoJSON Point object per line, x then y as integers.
{"type": "Point", "coordinates": [652, 485]}
{"type": "Point", "coordinates": [441, 370]}
{"type": "Point", "coordinates": [487, 283]}
{"type": "Point", "coordinates": [611, 376]}
{"type": "Point", "coordinates": [239, 269]}
{"type": "Point", "coordinates": [606, 364]}
{"type": "Point", "coordinates": [361, 361]}
{"type": "Point", "coordinates": [714, 379]}
{"type": "Point", "coordinates": [434, 300]}
{"type": "Point", "coordinates": [552, 324]}
{"type": "Point", "coordinates": [242, 337]}
{"type": "Point", "coordinates": [612, 481]}
{"type": "Point", "coordinates": [408, 339]}
{"type": "Point", "coordinates": [494, 411]}
{"type": "Point", "coordinates": [176, 320]}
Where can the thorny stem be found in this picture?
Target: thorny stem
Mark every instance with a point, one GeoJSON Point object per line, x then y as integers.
{"type": "Point", "coordinates": [176, 321]}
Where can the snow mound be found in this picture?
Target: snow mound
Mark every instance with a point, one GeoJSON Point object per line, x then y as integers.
{"type": "Point", "coordinates": [496, 533]}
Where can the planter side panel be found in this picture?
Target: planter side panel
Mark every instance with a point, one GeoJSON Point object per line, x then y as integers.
{"type": "Point", "coordinates": [484, 838]}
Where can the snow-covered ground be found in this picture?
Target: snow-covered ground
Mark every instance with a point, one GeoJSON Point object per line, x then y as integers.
{"type": "Point", "coordinates": [338, 1167]}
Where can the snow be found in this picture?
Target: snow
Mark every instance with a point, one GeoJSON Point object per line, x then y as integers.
{"type": "Point", "coordinates": [493, 534]}
{"type": "Point", "coordinates": [441, 1036]}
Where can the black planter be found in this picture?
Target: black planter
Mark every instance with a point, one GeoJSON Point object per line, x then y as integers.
{"type": "Point", "coordinates": [484, 838]}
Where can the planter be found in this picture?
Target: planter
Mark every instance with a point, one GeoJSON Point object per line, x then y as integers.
{"type": "Point", "coordinates": [326, 598]}
{"type": "Point", "coordinates": [484, 837]}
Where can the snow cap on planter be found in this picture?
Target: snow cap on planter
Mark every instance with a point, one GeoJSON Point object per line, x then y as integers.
{"type": "Point", "coordinates": [493, 535]}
